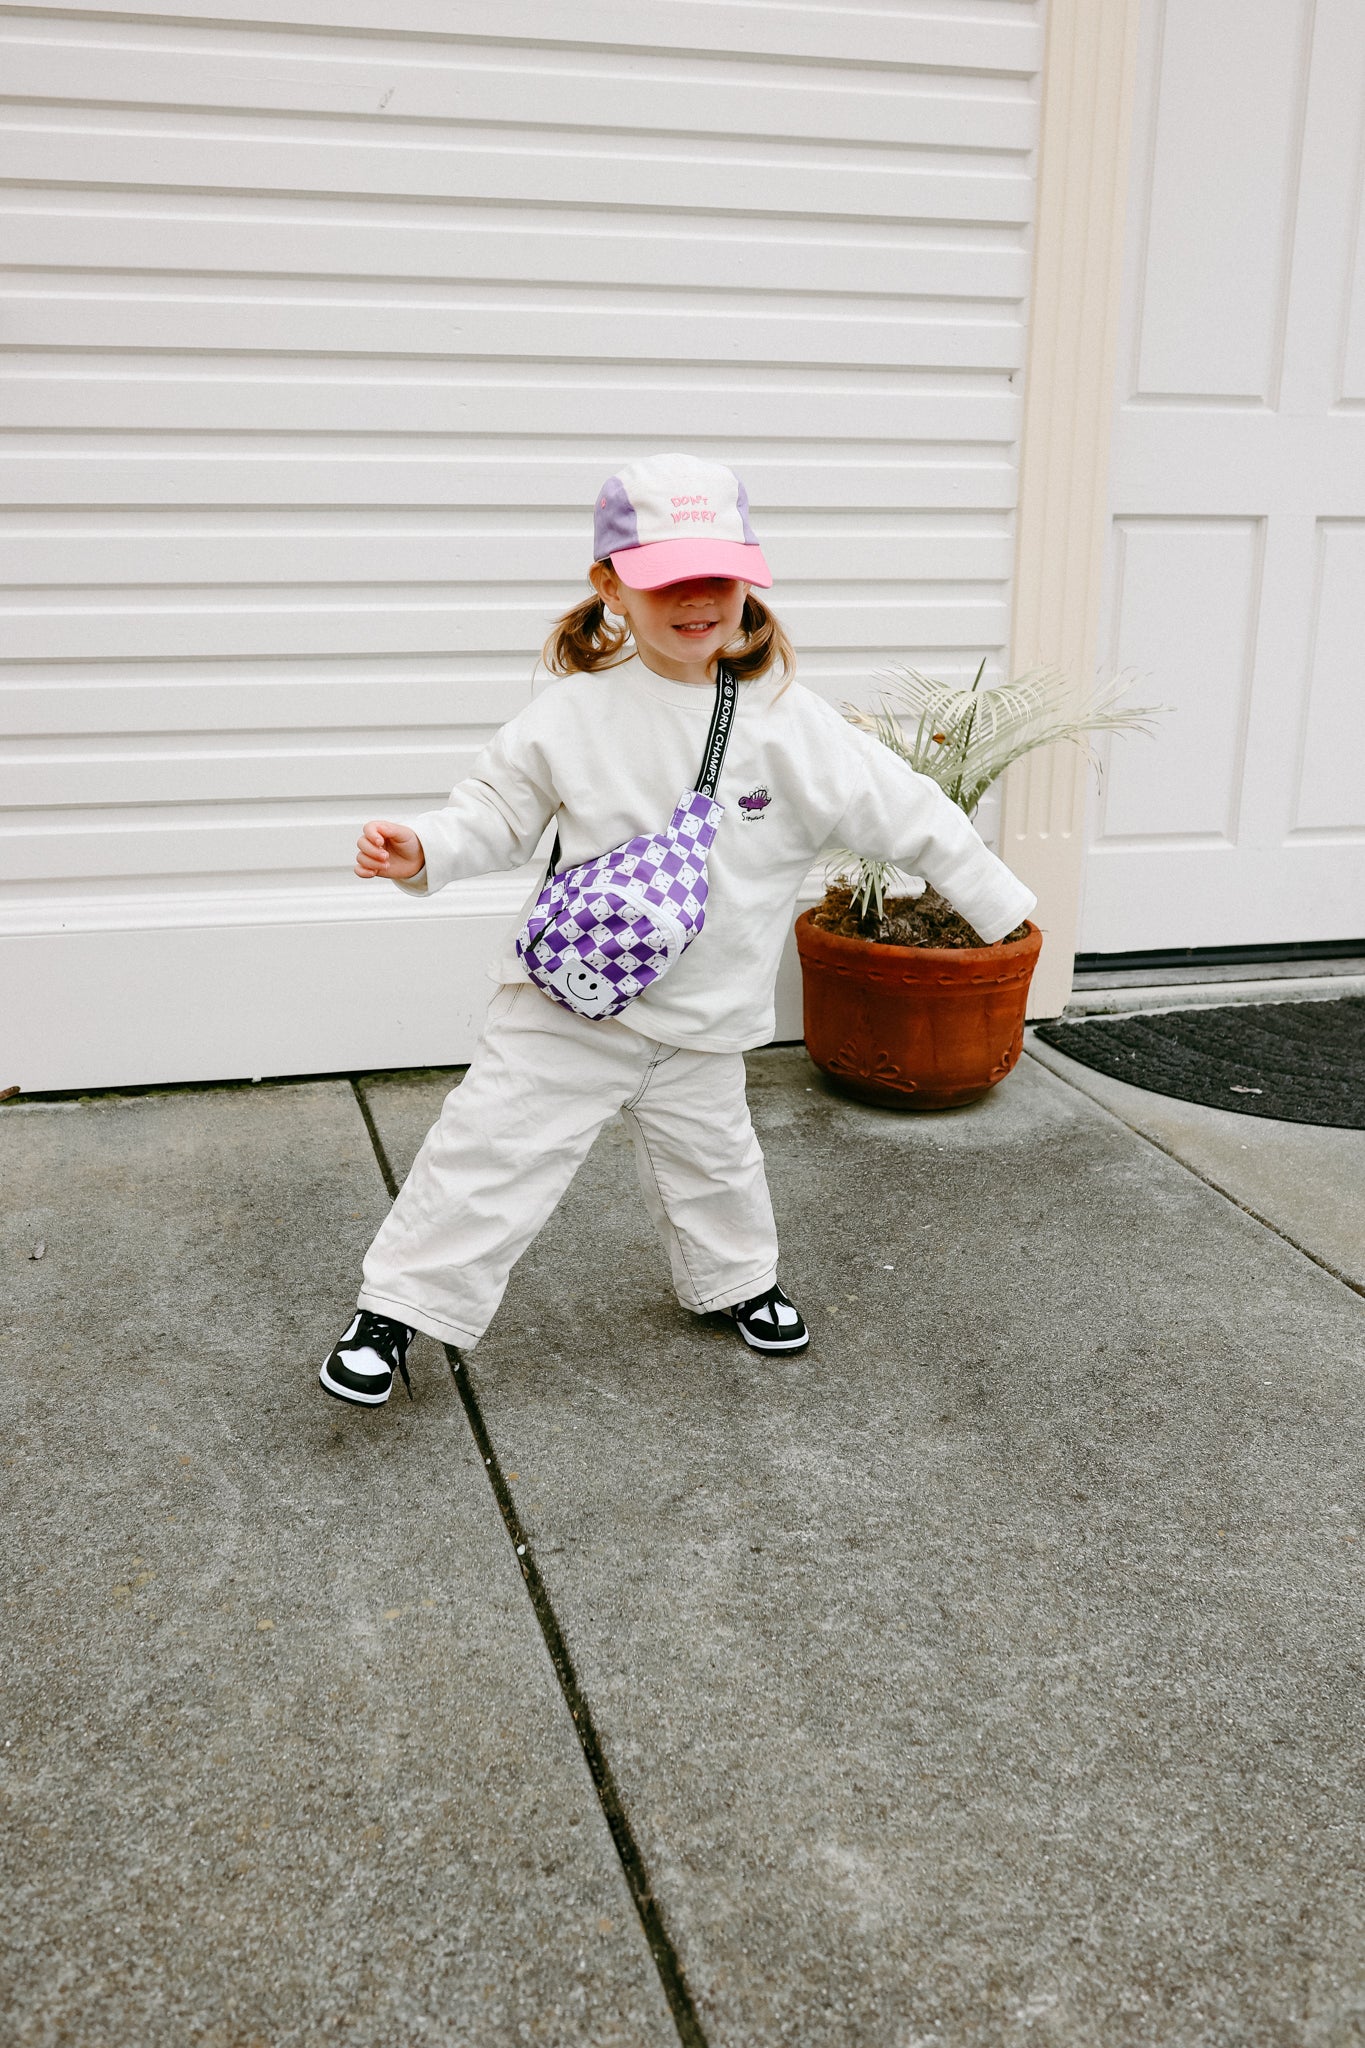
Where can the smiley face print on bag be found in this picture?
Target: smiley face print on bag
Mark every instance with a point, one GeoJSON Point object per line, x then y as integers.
{"type": "Point", "coordinates": [581, 988]}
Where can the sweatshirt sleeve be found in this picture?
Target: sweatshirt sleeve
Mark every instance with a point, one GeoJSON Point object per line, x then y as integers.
{"type": "Point", "coordinates": [492, 820]}
{"type": "Point", "coordinates": [898, 815]}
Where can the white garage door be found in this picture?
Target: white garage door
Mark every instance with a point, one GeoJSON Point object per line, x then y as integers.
{"type": "Point", "coordinates": [323, 324]}
{"type": "Point", "coordinates": [1237, 572]}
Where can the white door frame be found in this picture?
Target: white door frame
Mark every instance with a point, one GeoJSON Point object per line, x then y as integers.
{"type": "Point", "coordinates": [1089, 82]}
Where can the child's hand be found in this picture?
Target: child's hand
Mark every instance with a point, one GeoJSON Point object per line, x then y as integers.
{"type": "Point", "coordinates": [384, 848]}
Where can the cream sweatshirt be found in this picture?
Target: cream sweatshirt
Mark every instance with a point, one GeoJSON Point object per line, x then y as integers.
{"type": "Point", "coordinates": [607, 756]}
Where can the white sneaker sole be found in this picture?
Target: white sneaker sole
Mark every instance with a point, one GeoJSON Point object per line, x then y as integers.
{"type": "Point", "coordinates": [773, 1343]}
{"type": "Point", "coordinates": [331, 1386]}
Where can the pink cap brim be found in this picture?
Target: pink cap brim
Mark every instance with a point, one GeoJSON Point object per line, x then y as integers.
{"type": "Point", "coordinates": [661, 562]}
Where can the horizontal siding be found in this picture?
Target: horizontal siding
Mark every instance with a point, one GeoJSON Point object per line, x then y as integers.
{"type": "Point", "coordinates": [175, 552]}
{"type": "Point", "coordinates": [344, 324]}
{"type": "Point", "coordinates": [199, 471]}
{"type": "Point", "coordinates": [322, 324]}
{"type": "Point", "coordinates": [402, 90]}
{"type": "Point", "coordinates": [222, 156]}
{"type": "Point", "coordinates": [363, 238]}
{"type": "Point", "coordinates": [349, 620]}
{"type": "Point", "coordinates": [994, 37]}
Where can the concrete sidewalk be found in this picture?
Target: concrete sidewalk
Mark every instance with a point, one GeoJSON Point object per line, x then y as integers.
{"type": "Point", "coordinates": [991, 1674]}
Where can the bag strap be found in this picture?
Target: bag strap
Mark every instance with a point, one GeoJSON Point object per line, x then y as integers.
{"type": "Point", "coordinates": [713, 758]}
{"type": "Point", "coordinates": [718, 738]}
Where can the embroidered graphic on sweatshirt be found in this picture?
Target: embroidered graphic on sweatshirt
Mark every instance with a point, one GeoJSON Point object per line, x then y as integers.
{"type": "Point", "coordinates": [754, 804]}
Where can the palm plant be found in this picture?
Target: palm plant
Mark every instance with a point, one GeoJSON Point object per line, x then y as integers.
{"type": "Point", "coordinates": [964, 740]}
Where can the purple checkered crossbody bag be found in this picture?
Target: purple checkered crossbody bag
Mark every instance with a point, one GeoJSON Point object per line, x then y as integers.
{"type": "Point", "coordinates": [601, 933]}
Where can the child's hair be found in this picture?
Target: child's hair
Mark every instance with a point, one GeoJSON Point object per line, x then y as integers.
{"type": "Point", "coordinates": [586, 640]}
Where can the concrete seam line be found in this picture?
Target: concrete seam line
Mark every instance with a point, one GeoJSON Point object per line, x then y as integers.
{"type": "Point", "coordinates": [382, 1159]}
{"type": "Point", "coordinates": [1312, 1257]}
{"type": "Point", "coordinates": [666, 1960]}
{"type": "Point", "coordinates": [660, 1943]}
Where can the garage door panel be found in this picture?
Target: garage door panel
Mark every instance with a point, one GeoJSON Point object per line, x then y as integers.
{"type": "Point", "coordinates": [256, 896]}
{"type": "Point", "coordinates": [362, 768]}
{"type": "Point", "coordinates": [194, 840]}
{"type": "Point", "coordinates": [336, 621]}
{"type": "Point", "coordinates": [1352, 387]}
{"type": "Point", "coordinates": [230, 697]}
{"type": "Point", "coordinates": [396, 84]}
{"type": "Point", "coordinates": [170, 556]}
{"type": "Point", "coordinates": [321, 622]}
{"type": "Point", "coordinates": [211, 998]}
{"type": "Point", "coordinates": [243, 702]}
{"type": "Point", "coordinates": [242, 397]}
{"type": "Point", "coordinates": [998, 36]}
{"type": "Point", "coordinates": [1228, 885]}
{"type": "Point", "coordinates": [564, 245]}
{"type": "Point", "coordinates": [1330, 793]}
{"type": "Point", "coordinates": [1214, 275]}
{"type": "Point", "coordinates": [1184, 461]}
{"type": "Point", "coordinates": [1187, 618]}
{"type": "Point", "coordinates": [186, 473]}
{"type": "Point", "coordinates": [239, 396]}
{"type": "Point", "coordinates": [53, 311]}
{"type": "Point", "coordinates": [257, 154]}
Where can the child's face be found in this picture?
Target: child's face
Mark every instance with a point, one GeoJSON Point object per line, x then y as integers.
{"type": "Point", "coordinates": [680, 629]}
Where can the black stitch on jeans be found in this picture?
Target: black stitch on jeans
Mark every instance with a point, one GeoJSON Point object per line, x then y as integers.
{"type": "Point", "coordinates": [666, 1960]}
{"type": "Point", "coordinates": [659, 1191]}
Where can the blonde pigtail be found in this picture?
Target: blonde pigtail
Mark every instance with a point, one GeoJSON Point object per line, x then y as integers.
{"type": "Point", "coordinates": [586, 640]}
{"type": "Point", "coordinates": [764, 642]}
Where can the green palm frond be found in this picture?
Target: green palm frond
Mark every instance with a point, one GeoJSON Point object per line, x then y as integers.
{"type": "Point", "coordinates": [966, 739]}
{"type": "Point", "coordinates": [870, 880]}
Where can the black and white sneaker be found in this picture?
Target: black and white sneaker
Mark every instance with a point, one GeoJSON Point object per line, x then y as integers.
{"type": "Point", "coordinates": [770, 1322]}
{"type": "Point", "coordinates": [361, 1364]}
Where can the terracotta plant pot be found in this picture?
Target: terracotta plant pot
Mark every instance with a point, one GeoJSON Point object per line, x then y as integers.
{"type": "Point", "coordinates": [914, 1027]}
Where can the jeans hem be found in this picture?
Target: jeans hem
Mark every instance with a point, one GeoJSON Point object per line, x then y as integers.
{"type": "Point", "coordinates": [423, 1319]}
{"type": "Point", "coordinates": [725, 1297]}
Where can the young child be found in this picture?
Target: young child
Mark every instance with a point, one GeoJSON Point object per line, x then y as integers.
{"type": "Point", "coordinates": [604, 755]}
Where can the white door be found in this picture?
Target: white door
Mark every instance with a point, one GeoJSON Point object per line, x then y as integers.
{"type": "Point", "coordinates": [1236, 584]}
{"type": "Point", "coordinates": [324, 322]}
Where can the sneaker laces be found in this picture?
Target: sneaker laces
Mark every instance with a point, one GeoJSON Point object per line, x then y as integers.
{"type": "Point", "coordinates": [758, 1302]}
{"type": "Point", "coordinates": [388, 1339]}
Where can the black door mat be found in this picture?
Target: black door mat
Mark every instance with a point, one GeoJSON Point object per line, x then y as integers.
{"type": "Point", "coordinates": [1301, 1062]}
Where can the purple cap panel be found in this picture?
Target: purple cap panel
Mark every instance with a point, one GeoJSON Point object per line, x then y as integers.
{"type": "Point", "coordinates": [614, 525]}
{"type": "Point", "coordinates": [742, 507]}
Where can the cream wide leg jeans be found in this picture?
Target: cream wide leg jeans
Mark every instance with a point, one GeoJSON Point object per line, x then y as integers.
{"type": "Point", "coordinates": [510, 1138]}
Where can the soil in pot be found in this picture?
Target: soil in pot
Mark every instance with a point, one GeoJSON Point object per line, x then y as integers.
{"type": "Point", "coordinates": [905, 1023]}
{"type": "Point", "coordinates": [924, 920]}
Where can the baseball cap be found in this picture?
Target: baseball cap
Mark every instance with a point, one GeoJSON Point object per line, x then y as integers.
{"type": "Point", "coordinates": [671, 517]}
